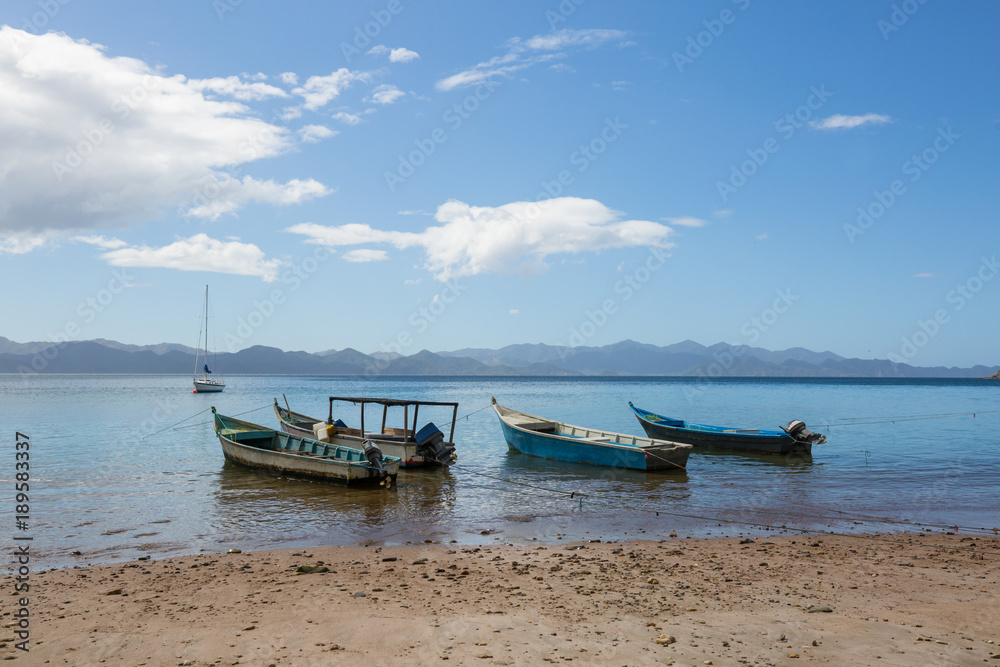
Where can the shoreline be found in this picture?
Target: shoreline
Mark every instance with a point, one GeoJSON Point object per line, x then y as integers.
{"type": "Point", "coordinates": [886, 599]}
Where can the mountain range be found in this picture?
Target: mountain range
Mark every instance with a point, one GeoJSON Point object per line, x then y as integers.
{"type": "Point", "coordinates": [626, 358]}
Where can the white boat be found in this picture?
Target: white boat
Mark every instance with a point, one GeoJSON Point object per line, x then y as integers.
{"type": "Point", "coordinates": [205, 384]}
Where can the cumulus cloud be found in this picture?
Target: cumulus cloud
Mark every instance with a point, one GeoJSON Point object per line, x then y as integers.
{"type": "Point", "coordinates": [347, 118]}
{"type": "Point", "coordinates": [312, 134]}
{"type": "Point", "coordinates": [402, 55]}
{"type": "Point", "coordinates": [94, 141]}
{"type": "Point", "coordinates": [317, 91]}
{"type": "Point", "coordinates": [233, 194]}
{"type": "Point", "coordinates": [20, 243]}
{"type": "Point", "coordinates": [385, 94]}
{"type": "Point", "coordinates": [199, 253]}
{"type": "Point", "coordinates": [233, 86]}
{"type": "Point", "coordinates": [377, 50]}
{"type": "Point", "coordinates": [842, 122]}
{"type": "Point", "coordinates": [522, 54]}
{"type": "Point", "coordinates": [516, 237]}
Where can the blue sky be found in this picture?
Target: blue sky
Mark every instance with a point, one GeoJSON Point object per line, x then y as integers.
{"type": "Point", "coordinates": [398, 175]}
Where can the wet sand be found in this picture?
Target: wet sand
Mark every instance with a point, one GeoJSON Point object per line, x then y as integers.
{"type": "Point", "coordinates": [926, 599]}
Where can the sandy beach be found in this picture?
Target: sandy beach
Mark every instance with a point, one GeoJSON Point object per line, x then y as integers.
{"type": "Point", "coordinates": [928, 599]}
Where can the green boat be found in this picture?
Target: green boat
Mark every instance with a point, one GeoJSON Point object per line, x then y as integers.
{"type": "Point", "coordinates": [255, 446]}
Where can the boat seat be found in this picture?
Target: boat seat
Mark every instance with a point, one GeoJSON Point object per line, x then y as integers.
{"type": "Point", "coordinates": [536, 426]}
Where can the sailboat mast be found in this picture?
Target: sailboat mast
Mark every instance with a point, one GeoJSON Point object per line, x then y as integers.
{"type": "Point", "coordinates": [206, 330]}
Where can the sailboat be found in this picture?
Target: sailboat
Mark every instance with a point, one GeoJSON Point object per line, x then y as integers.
{"type": "Point", "coordinates": [205, 384]}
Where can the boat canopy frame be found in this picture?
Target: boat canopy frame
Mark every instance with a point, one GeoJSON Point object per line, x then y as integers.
{"type": "Point", "coordinates": [386, 403]}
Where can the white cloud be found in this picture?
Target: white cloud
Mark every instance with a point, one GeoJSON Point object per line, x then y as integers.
{"type": "Point", "coordinates": [402, 55]}
{"type": "Point", "coordinates": [416, 212]}
{"type": "Point", "coordinates": [290, 78]}
{"type": "Point", "coordinates": [199, 253]}
{"type": "Point", "coordinates": [522, 54]}
{"type": "Point", "coordinates": [317, 91]}
{"type": "Point", "coordinates": [562, 39]}
{"type": "Point", "coordinates": [235, 194]}
{"type": "Point", "coordinates": [514, 311]}
{"type": "Point", "coordinates": [365, 255]}
{"type": "Point", "coordinates": [348, 118]}
{"type": "Point", "coordinates": [842, 122]}
{"type": "Point", "coordinates": [514, 238]}
{"type": "Point", "coordinates": [233, 86]}
{"type": "Point", "coordinates": [91, 141]}
{"type": "Point", "coordinates": [761, 237]}
{"type": "Point", "coordinates": [377, 50]}
{"type": "Point", "coordinates": [687, 221]}
{"type": "Point", "coordinates": [20, 243]}
{"type": "Point", "coordinates": [562, 67]}
{"type": "Point", "coordinates": [312, 134]}
{"type": "Point", "coordinates": [926, 274]}
{"type": "Point", "coordinates": [385, 94]}
{"type": "Point", "coordinates": [620, 85]}
{"type": "Point", "coordinates": [101, 242]}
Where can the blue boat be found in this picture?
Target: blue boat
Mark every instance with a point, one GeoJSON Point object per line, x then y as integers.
{"type": "Point", "coordinates": [791, 438]}
{"type": "Point", "coordinates": [545, 438]}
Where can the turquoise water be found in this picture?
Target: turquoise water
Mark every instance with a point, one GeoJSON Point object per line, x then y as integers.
{"type": "Point", "coordinates": [111, 480]}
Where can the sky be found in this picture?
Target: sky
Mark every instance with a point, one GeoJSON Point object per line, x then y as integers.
{"type": "Point", "coordinates": [400, 175]}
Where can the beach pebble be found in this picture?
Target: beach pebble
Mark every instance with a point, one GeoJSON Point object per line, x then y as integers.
{"type": "Point", "coordinates": [360, 595]}
{"type": "Point", "coordinates": [234, 551]}
{"type": "Point", "coordinates": [311, 569]}
{"type": "Point", "coordinates": [113, 591]}
{"type": "Point", "coordinates": [813, 608]}
{"type": "Point", "coordinates": [665, 640]}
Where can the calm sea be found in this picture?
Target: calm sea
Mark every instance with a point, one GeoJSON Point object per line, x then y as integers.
{"type": "Point", "coordinates": [114, 476]}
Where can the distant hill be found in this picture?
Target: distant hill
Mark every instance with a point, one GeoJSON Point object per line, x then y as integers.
{"type": "Point", "coordinates": [628, 357]}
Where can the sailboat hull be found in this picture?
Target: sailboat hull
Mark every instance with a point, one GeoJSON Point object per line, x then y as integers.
{"type": "Point", "coordinates": [205, 386]}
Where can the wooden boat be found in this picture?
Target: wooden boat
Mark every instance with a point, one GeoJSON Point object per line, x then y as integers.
{"type": "Point", "coordinates": [256, 446]}
{"type": "Point", "coordinates": [550, 439]}
{"type": "Point", "coordinates": [205, 384]}
{"type": "Point", "coordinates": [414, 447]}
{"type": "Point", "coordinates": [793, 437]}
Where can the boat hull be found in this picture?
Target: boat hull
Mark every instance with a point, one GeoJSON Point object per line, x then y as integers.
{"type": "Point", "coordinates": [578, 445]}
{"type": "Point", "coordinates": [203, 387]}
{"type": "Point", "coordinates": [760, 442]}
{"type": "Point", "coordinates": [405, 452]}
{"type": "Point", "coordinates": [299, 457]}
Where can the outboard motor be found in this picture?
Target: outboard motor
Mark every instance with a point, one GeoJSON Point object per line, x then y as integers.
{"type": "Point", "coordinates": [374, 456]}
{"type": "Point", "coordinates": [431, 445]}
{"type": "Point", "coordinates": [798, 431]}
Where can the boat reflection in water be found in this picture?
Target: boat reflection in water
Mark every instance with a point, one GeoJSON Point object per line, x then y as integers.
{"type": "Point", "coordinates": [290, 509]}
